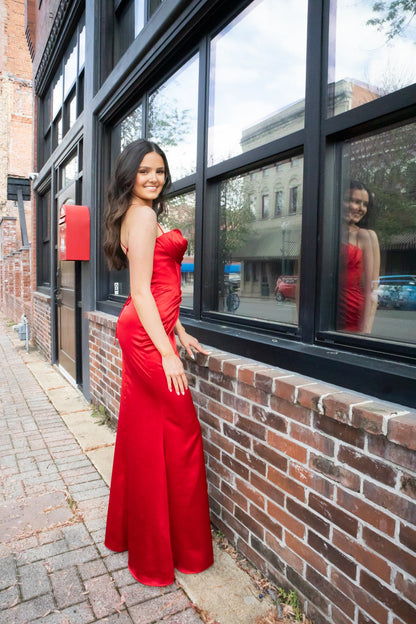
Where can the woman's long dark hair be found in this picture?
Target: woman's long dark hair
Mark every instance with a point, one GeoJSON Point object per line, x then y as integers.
{"type": "Point", "coordinates": [365, 221]}
{"type": "Point", "coordinates": [120, 195]}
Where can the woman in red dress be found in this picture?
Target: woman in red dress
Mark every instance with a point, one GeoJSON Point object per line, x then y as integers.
{"type": "Point", "coordinates": [360, 264]}
{"type": "Point", "coordinates": [158, 507]}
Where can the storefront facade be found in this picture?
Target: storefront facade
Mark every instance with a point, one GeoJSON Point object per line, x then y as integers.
{"type": "Point", "coordinates": [265, 114]}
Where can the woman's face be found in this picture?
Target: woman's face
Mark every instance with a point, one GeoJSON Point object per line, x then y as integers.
{"type": "Point", "coordinates": [357, 205]}
{"type": "Point", "coordinates": [150, 178]}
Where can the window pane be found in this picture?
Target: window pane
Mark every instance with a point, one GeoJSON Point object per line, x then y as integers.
{"type": "Point", "coordinates": [81, 52]}
{"type": "Point", "coordinates": [368, 60]}
{"type": "Point", "coordinates": [69, 171]}
{"type": "Point", "coordinates": [258, 256]}
{"type": "Point", "coordinates": [180, 214]}
{"type": "Point", "coordinates": [57, 95]}
{"type": "Point", "coordinates": [70, 67]}
{"type": "Point", "coordinates": [139, 7]}
{"type": "Point", "coordinates": [131, 127]}
{"type": "Point", "coordinates": [377, 274]}
{"type": "Point", "coordinates": [257, 78]}
{"type": "Point", "coordinates": [173, 111]}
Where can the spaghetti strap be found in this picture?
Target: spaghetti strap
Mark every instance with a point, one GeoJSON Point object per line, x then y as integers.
{"type": "Point", "coordinates": [160, 228]}
{"type": "Point", "coordinates": [124, 248]}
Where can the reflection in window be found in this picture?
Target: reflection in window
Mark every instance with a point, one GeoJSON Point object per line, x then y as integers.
{"type": "Point", "coordinates": [377, 271]}
{"type": "Point", "coordinates": [293, 199]}
{"type": "Point", "coordinates": [43, 245]}
{"type": "Point", "coordinates": [367, 59]}
{"type": "Point", "coordinates": [278, 203]}
{"type": "Point", "coordinates": [180, 214]}
{"type": "Point", "coordinates": [260, 250]}
{"type": "Point", "coordinates": [131, 127]}
{"type": "Point", "coordinates": [257, 78]}
{"type": "Point", "coordinates": [173, 119]}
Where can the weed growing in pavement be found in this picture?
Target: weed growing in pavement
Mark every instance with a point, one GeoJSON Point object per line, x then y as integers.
{"type": "Point", "coordinates": [100, 412]}
{"type": "Point", "coordinates": [291, 599]}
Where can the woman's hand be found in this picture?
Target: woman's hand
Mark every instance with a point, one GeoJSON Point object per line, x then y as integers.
{"type": "Point", "coordinates": [175, 374]}
{"type": "Point", "coordinates": [189, 343]}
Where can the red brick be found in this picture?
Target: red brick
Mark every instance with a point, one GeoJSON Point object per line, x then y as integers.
{"type": "Point", "coordinates": [400, 607]}
{"type": "Point", "coordinates": [246, 373]}
{"type": "Point", "coordinates": [220, 410]}
{"type": "Point", "coordinates": [250, 493]}
{"type": "Point", "coordinates": [286, 483]}
{"type": "Point", "coordinates": [230, 367]}
{"type": "Point", "coordinates": [402, 430]}
{"type": "Point", "coordinates": [222, 500]}
{"type": "Point", "coordinates": [267, 488]}
{"type": "Point", "coordinates": [408, 537]}
{"type": "Point", "coordinates": [313, 439]}
{"type": "Point", "coordinates": [233, 494]}
{"type": "Point", "coordinates": [338, 617]}
{"type": "Point", "coordinates": [209, 419]}
{"type": "Point", "coordinates": [284, 553]}
{"type": "Point", "coordinates": [340, 431]}
{"type": "Point", "coordinates": [241, 406]}
{"type": "Point", "coordinates": [224, 527]}
{"type": "Point", "coordinates": [359, 596]}
{"type": "Point", "coordinates": [408, 485]}
{"type": "Point", "coordinates": [406, 586]}
{"type": "Point", "coordinates": [364, 619]}
{"type": "Point", "coordinates": [374, 468]}
{"type": "Point", "coordinates": [359, 553]}
{"type": "Point", "coordinates": [338, 405]}
{"type": "Point", "coordinates": [289, 410]}
{"type": "Point", "coordinates": [396, 504]}
{"type": "Point", "coordinates": [307, 517]}
{"type": "Point", "coordinates": [220, 470]}
{"type": "Point", "coordinates": [249, 522]}
{"type": "Point", "coordinates": [332, 554]}
{"type": "Point", "coordinates": [219, 379]}
{"type": "Point", "coordinates": [270, 419]}
{"type": "Point", "coordinates": [232, 521]}
{"type": "Point", "coordinates": [304, 475]}
{"type": "Point", "coordinates": [235, 467]}
{"type": "Point", "coordinates": [217, 359]}
{"type": "Point", "coordinates": [250, 426]}
{"type": "Point", "coordinates": [390, 551]}
{"type": "Point", "coordinates": [286, 446]}
{"type": "Point", "coordinates": [307, 554]}
{"type": "Point", "coordinates": [221, 441]}
{"type": "Point", "coordinates": [210, 390]}
{"type": "Point", "coordinates": [331, 592]}
{"type": "Point", "coordinates": [270, 456]}
{"type": "Point", "coordinates": [212, 450]}
{"type": "Point", "coordinates": [285, 387]}
{"type": "Point", "coordinates": [238, 436]}
{"type": "Point", "coordinates": [310, 395]}
{"type": "Point", "coordinates": [251, 461]}
{"type": "Point", "coordinates": [362, 509]}
{"type": "Point", "coordinates": [371, 417]}
{"type": "Point", "coordinates": [337, 516]}
{"type": "Point", "coordinates": [266, 521]}
{"type": "Point", "coordinates": [252, 394]}
{"type": "Point", "coordinates": [286, 519]}
{"type": "Point", "coordinates": [267, 553]}
{"type": "Point", "coordinates": [335, 471]}
{"type": "Point", "coordinates": [252, 556]}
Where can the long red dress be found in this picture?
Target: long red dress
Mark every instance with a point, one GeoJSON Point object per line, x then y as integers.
{"type": "Point", "coordinates": [158, 507]}
{"type": "Point", "coordinates": [351, 296]}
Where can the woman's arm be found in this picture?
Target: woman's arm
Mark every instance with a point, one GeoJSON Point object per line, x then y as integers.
{"type": "Point", "coordinates": [139, 231]}
{"type": "Point", "coordinates": [188, 341]}
{"type": "Point", "coordinates": [364, 241]}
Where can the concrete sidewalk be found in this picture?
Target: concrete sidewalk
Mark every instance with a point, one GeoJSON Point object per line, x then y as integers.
{"type": "Point", "coordinates": [55, 469]}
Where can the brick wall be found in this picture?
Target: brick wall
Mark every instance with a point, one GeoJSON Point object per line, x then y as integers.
{"type": "Point", "coordinates": [315, 484]}
{"type": "Point", "coordinates": [15, 292]}
{"type": "Point", "coordinates": [41, 324]}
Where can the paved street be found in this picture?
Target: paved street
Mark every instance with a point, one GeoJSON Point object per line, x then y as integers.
{"type": "Point", "coordinates": [54, 568]}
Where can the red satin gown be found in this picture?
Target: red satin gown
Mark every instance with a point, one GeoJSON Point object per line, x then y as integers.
{"type": "Point", "coordinates": [351, 296]}
{"type": "Point", "coordinates": [158, 507]}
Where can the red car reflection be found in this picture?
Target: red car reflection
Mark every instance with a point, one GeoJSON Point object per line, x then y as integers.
{"type": "Point", "coordinates": [286, 287]}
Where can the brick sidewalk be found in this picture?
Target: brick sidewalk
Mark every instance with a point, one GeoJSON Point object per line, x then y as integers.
{"type": "Point", "coordinates": [54, 567]}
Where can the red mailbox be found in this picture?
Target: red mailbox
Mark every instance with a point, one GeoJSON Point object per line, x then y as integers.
{"type": "Point", "coordinates": [74, 233]}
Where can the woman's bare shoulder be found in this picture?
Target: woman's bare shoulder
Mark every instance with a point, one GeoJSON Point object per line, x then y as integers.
{"type": "Point", "coordinates": [140, 214]}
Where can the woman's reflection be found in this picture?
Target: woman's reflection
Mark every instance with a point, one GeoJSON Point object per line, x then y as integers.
{"type": "Point", "coordinates": [360, 263]}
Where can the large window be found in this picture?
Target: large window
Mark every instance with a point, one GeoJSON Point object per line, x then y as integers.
{"type": "Point", "coordinates": [266, 252]}
{"type": "Point", "coordinates": [64, 101]}
{"type": "Point", "coordinates": [377, 273]}
{"type": "Point", "coordinates": [272, 176]}
{"type": "Point", "coordinates": [371, 51]}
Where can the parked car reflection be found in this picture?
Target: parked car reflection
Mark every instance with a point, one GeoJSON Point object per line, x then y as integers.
{"type": "Point", "coordinates": [397, 291]}
{"type": "Point", "coordinates": [286, 286]}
